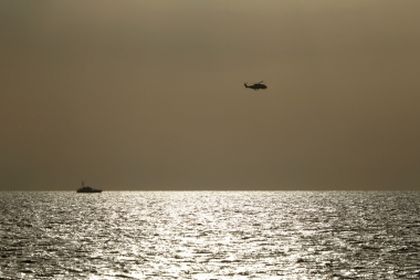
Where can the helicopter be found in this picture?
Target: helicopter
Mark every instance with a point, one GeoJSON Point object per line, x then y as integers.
{"type": "Point", "coordinates": [256, 86]}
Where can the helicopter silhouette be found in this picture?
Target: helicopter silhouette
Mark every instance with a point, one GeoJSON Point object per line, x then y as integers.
{"type": "Point", "coordinates": [256, 86]}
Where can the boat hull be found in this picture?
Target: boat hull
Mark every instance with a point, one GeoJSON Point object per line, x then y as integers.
{"type": "Point", "coordinates": [87, 189]}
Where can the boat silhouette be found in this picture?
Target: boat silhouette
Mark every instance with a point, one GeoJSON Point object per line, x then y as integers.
{"type": "Point", "coordinates": [87, 189]}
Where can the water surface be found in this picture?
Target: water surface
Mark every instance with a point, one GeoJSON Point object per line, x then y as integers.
{"type": "Point", "coordinates": [210, 235]}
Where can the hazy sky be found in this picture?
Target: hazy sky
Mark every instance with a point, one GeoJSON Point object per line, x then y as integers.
{"type": "Point", "coordinates": [149, 94]}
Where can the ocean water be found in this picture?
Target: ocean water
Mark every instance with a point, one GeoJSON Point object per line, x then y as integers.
{"type": "Point", "coordinates": [210, 235]}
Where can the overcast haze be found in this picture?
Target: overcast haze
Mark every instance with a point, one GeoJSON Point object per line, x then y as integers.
{"type": "Point", "coordinates": [149, 94]}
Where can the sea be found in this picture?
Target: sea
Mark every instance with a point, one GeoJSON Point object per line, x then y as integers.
{"type": "Point", "coordinates": [210, 235]}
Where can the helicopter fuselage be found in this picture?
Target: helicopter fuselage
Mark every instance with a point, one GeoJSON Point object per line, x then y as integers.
{"type": "Point", "coordinates": [256, 86]}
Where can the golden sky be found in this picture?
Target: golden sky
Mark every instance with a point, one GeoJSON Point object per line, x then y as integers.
{"type": "Point", "coordinates": [137, 94]}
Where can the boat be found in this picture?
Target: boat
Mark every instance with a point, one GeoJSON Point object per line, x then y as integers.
{"type": "Point", "coordinates": [87, 189]}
